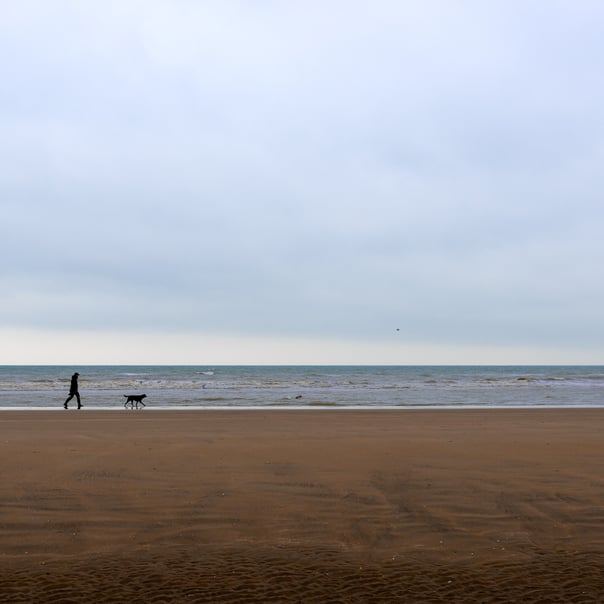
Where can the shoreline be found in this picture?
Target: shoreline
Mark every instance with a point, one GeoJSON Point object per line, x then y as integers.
{"type": "Point", "coordinates": [302, 505]}
{"type": "Point", "coordinates": [319, 408]}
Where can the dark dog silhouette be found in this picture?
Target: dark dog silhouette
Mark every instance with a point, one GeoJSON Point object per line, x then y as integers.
{"type": "Point", "coordinates": [134, 399]}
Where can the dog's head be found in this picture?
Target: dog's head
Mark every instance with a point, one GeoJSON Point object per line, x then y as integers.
{"type": "Point", "coordinates": [143, 396]}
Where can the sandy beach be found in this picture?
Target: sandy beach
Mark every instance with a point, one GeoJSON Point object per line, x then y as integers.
{"type": "Point", "coordinates": [302, 506]}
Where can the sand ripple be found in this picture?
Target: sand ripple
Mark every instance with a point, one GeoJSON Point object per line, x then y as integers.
{"type": "Point", "coordinates": [308, 575]}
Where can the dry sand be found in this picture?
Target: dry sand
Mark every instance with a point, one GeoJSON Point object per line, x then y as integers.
{"type": "Point", "coordinates": [302, 506]}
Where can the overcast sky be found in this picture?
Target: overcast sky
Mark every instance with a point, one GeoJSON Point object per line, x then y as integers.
{"type": "Point", "coordinates": [382, 181]}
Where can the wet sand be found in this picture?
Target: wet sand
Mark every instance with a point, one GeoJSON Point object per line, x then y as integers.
{"type": "Point", "coordinates": [302, 506]}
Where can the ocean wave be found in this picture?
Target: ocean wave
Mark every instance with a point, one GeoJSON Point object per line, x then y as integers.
{"type": "Point", "coordinates": [319, 387]}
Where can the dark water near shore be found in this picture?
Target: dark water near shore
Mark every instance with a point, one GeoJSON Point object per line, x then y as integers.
{"type": "Point", "coordinates": [357, 387]}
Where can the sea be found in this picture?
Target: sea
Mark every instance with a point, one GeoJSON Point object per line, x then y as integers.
{"type": "Point", "coordinates": [305, 387]}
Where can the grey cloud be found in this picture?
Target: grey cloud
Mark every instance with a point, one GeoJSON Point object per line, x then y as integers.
{"type": "Point", "coordinates": [309, 169]}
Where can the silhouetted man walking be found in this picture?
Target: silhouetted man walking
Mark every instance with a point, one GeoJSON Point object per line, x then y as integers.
{"type": "Point", "coordinates": [73, 390]}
